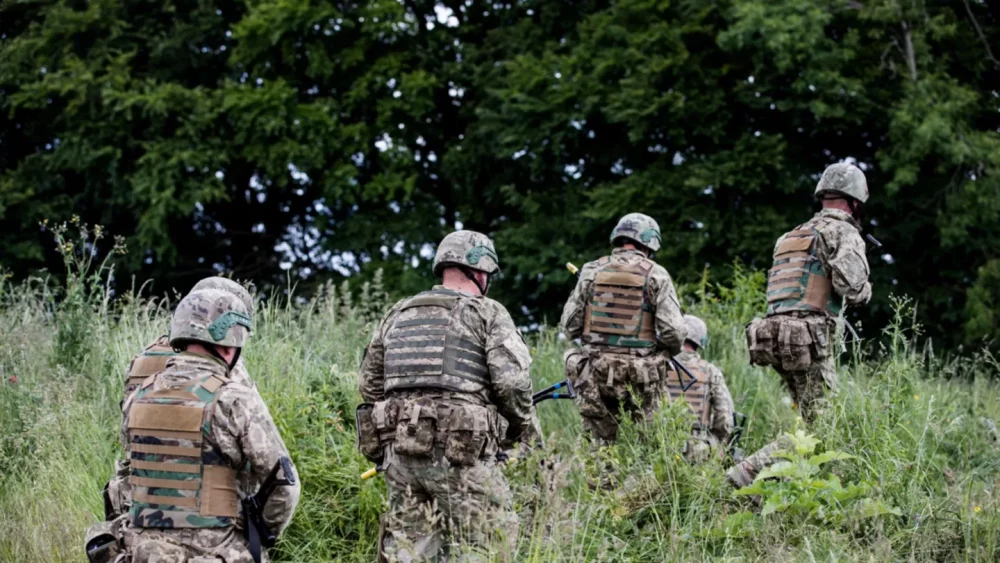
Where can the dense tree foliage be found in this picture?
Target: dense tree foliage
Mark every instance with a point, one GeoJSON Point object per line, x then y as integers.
{"type": "Point", "coordinates": [330, 138]}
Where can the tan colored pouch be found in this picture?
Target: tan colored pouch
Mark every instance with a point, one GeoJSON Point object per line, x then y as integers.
{"type": "Point", "coordinates": [416, 428]}
{"type": "Point", "coordinates": [468, 432]}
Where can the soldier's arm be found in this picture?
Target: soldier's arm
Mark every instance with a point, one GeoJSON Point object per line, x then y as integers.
{"type": "Point", "coordinates": [509, 361]}
{"type": "Point", "coordinates": [723, 408]}
{"type": "Point", "coordinates": [847, 264]}
{"type": "Point", "coordinates": [372, 377]}
{"type": "Point", "coordinates": [669, 318]}
{"type": "Point", "coordinates": [245, 433]}
{"type": "Point", "coordinates": [572, 319]}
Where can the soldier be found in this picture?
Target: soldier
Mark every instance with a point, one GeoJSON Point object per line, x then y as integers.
{"type": "Point", "coordinates": [625, 310]}
{"type": "Point", "coordinates": [151, 361]}
{"type": "Point", "coordinates": [708, 397]}
{"type": "Point", "coordinates": [189, 431]}
{"type": "Point", "coordinates": [818, 267]}
{"type": "Point", "coordinates": [446, 382]}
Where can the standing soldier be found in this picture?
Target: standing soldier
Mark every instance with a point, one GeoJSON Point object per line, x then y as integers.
{"type": "Point", "coordinates": [446, 382]}
{"type": "Point", "coordinates": [625, 310]}
{"type": "Point", "coordinates": [707, 396]}
{"type": "Point", "coordinates": [152, 360]}
{"type": "Point", "coordinates": [818, 267]}
{"type": "Point", "coordinates": [189, 432]}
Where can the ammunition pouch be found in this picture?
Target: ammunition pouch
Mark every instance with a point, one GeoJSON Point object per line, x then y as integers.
{"type": "Point", "coordinates": [787, 343]}
{"type": "Point", "coordinates": [612, 372]}
{"type": "Point", "coordinates": [415, 430]}
{"type": "Point", "coordinates": [465, 433]}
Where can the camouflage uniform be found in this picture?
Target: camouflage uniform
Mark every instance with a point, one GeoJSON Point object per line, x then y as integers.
{"type": "Point", "coordinates": [818, 267]}
{"type": "Point", "coordinates": [152, 360]}
{"type": "Point", "coordinates": [708, 397]}
{"type": "Point", "coordinates": [446, 381]}
{"type": "Point", "coordinates": [632, 351]}
{"type": "Point", "coordinates": [189, 432]}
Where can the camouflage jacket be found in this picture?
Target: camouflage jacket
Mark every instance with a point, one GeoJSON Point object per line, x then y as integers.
{"type": "Point", "coordinates": [239, 373]}
{"type": "Point", "coordinates": [484, 321]}
{"type": "Point", "coordinates": [242, 431]}
{"type": "Point", "coordinates": [669, 323]}
{"type": "Point", "coordinates": [720, 401]}
{"type": "Point", "coordinates": [842, 252]}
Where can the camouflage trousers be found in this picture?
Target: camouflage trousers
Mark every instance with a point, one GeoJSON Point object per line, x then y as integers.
{"type": "Point", "coordinates": [438, 512]}
{"type": "Point", "coordinates": [701, 447]}
{"type": "Point", "coordinates": [808, 387]}
{"type": "Point", "coordinates": [744, 472]}
{"type": "Point", "coordinates": [607, 384]}
{"type": "Point", "coordinates": [215, 545]}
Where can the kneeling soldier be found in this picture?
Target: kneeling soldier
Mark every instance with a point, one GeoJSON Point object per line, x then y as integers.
{"type": "Point", "coordinates": [707, 396]}
{"type": "Point", "coordinates": [189, 433]}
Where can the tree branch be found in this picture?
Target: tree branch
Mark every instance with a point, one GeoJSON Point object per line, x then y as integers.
{"type": "Point", "coordinates": [979, 32]}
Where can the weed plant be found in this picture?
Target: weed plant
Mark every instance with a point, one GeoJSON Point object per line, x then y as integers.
{"type": "Point", "coordinates": [916, 431]}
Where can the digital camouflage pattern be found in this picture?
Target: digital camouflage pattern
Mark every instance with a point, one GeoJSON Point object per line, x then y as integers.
{"type": "Point", "coordinates": [841, 251]}
{"type": "Point", "coordinates": [211, 316]}
{"type": "Point", "coordinates": [603, 374]}
{"type": "Point", "coordinates": [473, 504]}
{"type": "Point", "coordinates": [695, 331]}
{"type": "Point", "coordinates": [843, 179]}
{"type": "Point", "coordinates": [467, 248]}
{"type": "Point", "coordinates": [639, 228]}
{"type": "Point", "coordinates": [242, 436]}
{"type": "Point", "coordinates": [433, 503]}
{"type": "Point", "coordinates": [707, 440]}
{"type": "Point", "coordinates": [151, 545]}
{"type": "Point", "coordinates": [228, 285]}
{"type": "Point", "coordinates": [744, 472]}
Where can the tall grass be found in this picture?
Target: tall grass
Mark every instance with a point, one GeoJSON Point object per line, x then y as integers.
{"type": "Point", "coordinates": [920, 427]}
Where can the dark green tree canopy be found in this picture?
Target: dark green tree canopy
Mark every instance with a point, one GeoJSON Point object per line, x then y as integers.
{"type": "Point", "coordinates": [332, 138]}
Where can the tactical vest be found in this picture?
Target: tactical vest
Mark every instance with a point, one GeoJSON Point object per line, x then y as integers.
{"type": "Point", "coordinates": [797, 280]}
{"type": "Point", "coordinates": [696, 395]}
{"type": "Point", "coordinates": [151, 361]}
{"type": "Point", "coordinates": [177, 482]}
{"type": "Point", "coordinates": [618, 310]}
{"type": "Point", "coordinates": [425, 350]}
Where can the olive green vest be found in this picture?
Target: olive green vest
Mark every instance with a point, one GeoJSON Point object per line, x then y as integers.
{"type": "Point", "coordinates": [424, 348]}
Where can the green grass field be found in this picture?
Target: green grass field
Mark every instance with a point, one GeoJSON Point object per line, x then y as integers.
{"type": "Point", "coordinates": [919, 426]}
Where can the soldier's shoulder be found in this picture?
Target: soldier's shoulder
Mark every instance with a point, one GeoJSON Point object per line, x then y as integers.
{"type": "Point", "coordinates": [487, 307]}
{"type": "Point", "coordinates": [162, 341]}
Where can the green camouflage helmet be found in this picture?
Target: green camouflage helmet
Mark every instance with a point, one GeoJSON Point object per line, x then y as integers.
{"type": "Point", "coordinates": [844, 179]}
{"type": "Point", "coordinates": [695, 331]}
{"type": "Point", "coordinates": [210, 316]}
{"type": "Point", "coordinates": [226, 284]}
{"type": "Point", "coordinates": [639, 228]}
{"type": "Point", "coordinates": [467, 248]}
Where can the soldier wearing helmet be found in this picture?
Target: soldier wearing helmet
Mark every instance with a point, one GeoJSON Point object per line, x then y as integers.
{"type": "Point", "coordinates": [190, 431]}
{"type": "Point", "coordinates": [707, 396]}
{"type": "Point", "coordinates": [625, 310]}
{"type": "Point", "coordinates": [446, 384]}
{"type": "Point", "coordinates": [152, 360]}
{"type": "Point", "coordinates": [819, 268]}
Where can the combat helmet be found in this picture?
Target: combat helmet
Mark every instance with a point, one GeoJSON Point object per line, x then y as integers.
{"type": "Point", "coordinates": [695, 331]}
{"type": "Point", "coordinates": [639, 228]}
{"type": "Point", "coordinates": [467, 249]}
{"type": "Point", "coordinates": [226, 284]}
{"type": "Point", "coordinates": [844, 179]}
{"type": "Point", "coordinates": [210, 316]}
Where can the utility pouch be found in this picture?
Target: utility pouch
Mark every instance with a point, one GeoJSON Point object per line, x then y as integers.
{"type": "Point", "coordinates": [416, 428]}
{"type": "Point", "coordinates": [610, 373]}
{"type": "Point", "coordinates": [761, 342]}
{"type": "Point", "coordinates": [794, 342]}
{"type": "Point", "coordinates": [386, 416]}
{"type": "Point", "coordinates": [367, 434]}
{"type": "Point", "coordinates": [468, 432]}
{"type": "Point", "coordinates": [646, 371]}
{"type": "Point", "coordinates": [820, 335]}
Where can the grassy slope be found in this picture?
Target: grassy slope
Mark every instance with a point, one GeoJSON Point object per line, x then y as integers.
{"type": "Point", "coordinates": [919, 439]}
